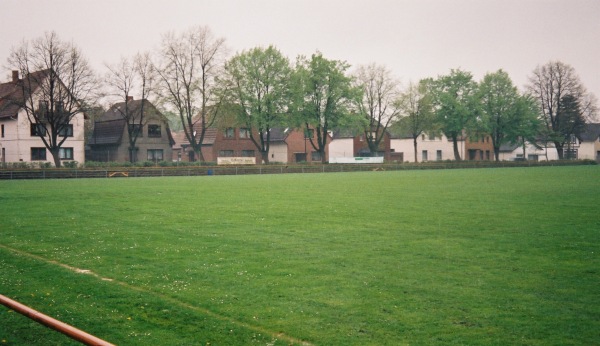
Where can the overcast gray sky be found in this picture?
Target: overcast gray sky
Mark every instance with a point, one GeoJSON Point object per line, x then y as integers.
{"type": "Point", "coordinates": [413, 38]}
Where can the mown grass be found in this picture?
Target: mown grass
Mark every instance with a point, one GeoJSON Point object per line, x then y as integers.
{"type": "Point", "coordinates": [490, 256]}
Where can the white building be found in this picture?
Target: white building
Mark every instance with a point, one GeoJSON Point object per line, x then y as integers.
{"type": "Point", "coordinates": [19, 140]}
{"type": "Point", "coordinates": [429, 148]}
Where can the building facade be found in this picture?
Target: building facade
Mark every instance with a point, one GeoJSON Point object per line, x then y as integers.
{"type": "Point", "coordinates": [20, 139]}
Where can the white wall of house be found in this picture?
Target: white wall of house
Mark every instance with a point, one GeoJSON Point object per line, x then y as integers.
{"type": "Point", "coordinates": [278, 152]}
{"type": "Point", "coordinates": [531, 153]}
{"type": "Point", "coordinates": [589, 150]}
{"type": "Point", "coordinates": [436, 148]}
{"type": "Point", "coordinates": [341, 147]}
{"type": "Point", "coordinates": [18, 141]}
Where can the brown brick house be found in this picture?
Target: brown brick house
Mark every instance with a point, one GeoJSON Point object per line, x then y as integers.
{"type": "Point", "coordinates": [479, 148]}
{"type": "Point", "coordinates": [110, 138]}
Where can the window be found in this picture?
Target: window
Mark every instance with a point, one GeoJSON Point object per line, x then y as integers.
{"type": "Point", "coordinates": [42, 108]}
{"type": "Point", "coordinates": [438, 155]}
{"type": "Point", "coordinates": [38, 130]}
{"type": "Point", "coordinates": [245, 133]}
{"type": "Point", "coordinates": [248, 153]}
{"type": "Point", "coordinates": [2, 130]}
{"type": "Point", "coordinates": [155, 155]}
{"type": "Point", "coordinates": [226, 153]}
{"type": "Point", "coordinates": [153, 130]}
{"type": "Point", "coordinates": [229, 132]}
{"type": "Point", "coordinates": [309, 133]}
{"type": "Point", "coordinates": [66, 131]}
{"type": "Point", "coordinates": [136, 129]}
{"type": "Point", "coordinates": [533, 157]}
{"type": "Point", "coordinates": [570, 154]}
{"type": "Point", "coordinates": [38, 154]}
{"type": "Point", "coordinates": [315, 156]}
{"type": "Point", "coordinates": [65, 153]}
{"type": "Point", "coordinates": [424, 156]}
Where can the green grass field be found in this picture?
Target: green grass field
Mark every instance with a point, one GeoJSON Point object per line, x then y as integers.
{"type": "Point", "coordinates": [464, 257]}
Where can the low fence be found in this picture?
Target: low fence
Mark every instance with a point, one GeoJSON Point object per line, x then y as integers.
{"type": "Point", "coordinates": [66, 329]}
{"type": "Point", "coordinates": [134, 172]}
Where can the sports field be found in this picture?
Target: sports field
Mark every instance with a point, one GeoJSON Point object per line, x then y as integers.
{"type": "Point", "coordinates": [471, 257]}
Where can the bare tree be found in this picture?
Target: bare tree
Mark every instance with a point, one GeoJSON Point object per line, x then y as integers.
{"type": "Point", "coordinates": [190, 66]}
{"type": "Point", "coordinates": [549, 84]}
{"type": "Point", "coordinates": [57, 83]}
{"type": "Point", "coordinates": [379, 103]}
{"type": "Point", "coordinates": [126, 79]}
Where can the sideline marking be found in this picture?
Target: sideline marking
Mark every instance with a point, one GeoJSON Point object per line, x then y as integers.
{"type": "Point", "coordinates": [210, 313]}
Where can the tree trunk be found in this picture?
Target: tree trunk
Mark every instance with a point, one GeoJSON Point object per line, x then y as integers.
{"type": "Point", "coordinates": [559, 150]}
{"type": "Point", "coordinates": [497, 153]}
{"type": "Point", "coordinates": [198, 152]}
{"type": "Point", "coordinates": [56, 157]}
{"type": "Point", "coordinates": [415, 146]}
{"type": "Point", "coordinates": [323, 158]}
{"type": "Point", "coordinates": [455, 145]}
{"type": "Point", "coordinates": [265, 157]}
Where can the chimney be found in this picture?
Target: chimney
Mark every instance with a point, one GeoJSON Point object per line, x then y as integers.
{"type": "Point", "coordinates": [129, 98]}
{"type": "Point", "coordinates": [15, 76]}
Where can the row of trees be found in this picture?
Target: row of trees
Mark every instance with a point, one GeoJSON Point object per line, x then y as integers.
{"type": "Point", "coordinates": [192, 77]}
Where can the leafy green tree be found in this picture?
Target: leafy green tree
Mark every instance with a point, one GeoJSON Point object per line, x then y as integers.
{"type": "Point", "coordinates": [455, 104]}
{"type": "Point", "coordinates": [258, 83]}
{"type": "Point", "coordinates": [416, 111]}
{"type": "Point", "coordinates": [506, 115]}
{"type": "Point", "coordinates": [324, 97]}
{"type": "Point", "coordinates": [549, 84]}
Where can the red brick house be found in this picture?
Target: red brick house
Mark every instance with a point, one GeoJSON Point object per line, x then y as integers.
{"type": "Point", "coordinates": [479, 148]}
{"type": "Point", "coordinates": [294, 146]}
{"type": "Point", "coordinates": [227, 142]}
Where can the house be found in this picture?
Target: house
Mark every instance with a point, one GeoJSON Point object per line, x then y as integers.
{"type": "Point", "coordinates": [286, 145]}
{"type": "Point", "coordinates": [293, 146]}
{"type": "Point", "coordinates": [348, 144]}
{"type": "Point", "coordinates": [429, 148]}
{"type": "Point", "coordinates": [217, 142]}
{"type": "Point", "coordinates": [479, 148]}
{"type": "Point", "coordinates": [19, 138]}
{"type": "Point", "coordinates": [532, 152]}
{"type": "Point", "coordinates": [110, 140]}
{"type": "Point", "coordinates": [589, 147]}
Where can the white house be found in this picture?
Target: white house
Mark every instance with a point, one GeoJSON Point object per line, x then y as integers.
{"type": "Point", "coordinates": [532, 152]}
{"type": "Point", "coordinates": [19, 141]}
{"type": "Point", "coordinates": [429, 148]}
{"type": "Point", "coordinates": [589, 146]}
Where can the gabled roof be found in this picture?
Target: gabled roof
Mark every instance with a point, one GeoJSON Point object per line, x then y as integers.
{"type": "Point", "coordinates": [12, 93]}
{"type": "Point", "coordinates": [117, 111]}
{"type": "Point", "coordinates": [591, 133]}
{"type": "Point", "coordinates": [108, 129]}
{"type": "Point", "coordinates": [108, 132]}
{"type": "Point", "coordinates": [278, 134]}
{"type": "Point", "coordinates": [209, 136]}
